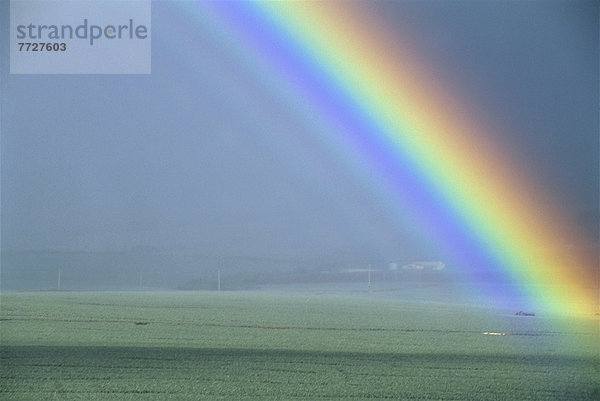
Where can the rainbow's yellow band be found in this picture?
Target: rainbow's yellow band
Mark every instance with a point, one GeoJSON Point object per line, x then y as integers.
{"type": "Point", "coordinates": [417, 112]}
{"type": "Point", "coordinates": [496, 200]}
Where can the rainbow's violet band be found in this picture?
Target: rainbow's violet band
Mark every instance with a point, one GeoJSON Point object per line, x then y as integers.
{"type": "Point", "coordinates": [442, 165]}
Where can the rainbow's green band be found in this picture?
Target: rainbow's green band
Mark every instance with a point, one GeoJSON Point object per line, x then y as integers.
{"type": "Point", "coordinates": [421, 123]}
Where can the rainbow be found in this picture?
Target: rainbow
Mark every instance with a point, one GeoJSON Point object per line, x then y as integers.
{"type": "Point", "coordinates": [441, 164]}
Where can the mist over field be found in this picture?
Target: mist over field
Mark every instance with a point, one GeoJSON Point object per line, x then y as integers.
{"type": "Point", "coordinates": [162, 180]}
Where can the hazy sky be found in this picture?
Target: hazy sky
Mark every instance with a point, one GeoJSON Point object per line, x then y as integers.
{"type": "Point", "coordinates": [202, 156]}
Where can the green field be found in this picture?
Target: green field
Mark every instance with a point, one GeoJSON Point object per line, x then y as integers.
{"type": "Point", "coordinates": [276, 346]}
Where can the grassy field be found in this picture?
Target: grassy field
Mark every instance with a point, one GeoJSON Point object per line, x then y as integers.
{"type": "Point", "coordinates": [275, 346]}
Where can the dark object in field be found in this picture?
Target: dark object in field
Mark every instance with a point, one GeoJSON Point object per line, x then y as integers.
{"type": "Point", "coordinates": [140, 323]}
{"type": "Point", "coordinates": [521, 313]}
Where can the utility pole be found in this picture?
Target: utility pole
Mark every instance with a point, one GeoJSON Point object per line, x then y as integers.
{"type": "Point", "coordinates": [141, 286]}
{"type": "Point", "coordinates": [58, 279]}
{"type": "Point", "coordinates": [219, 280]}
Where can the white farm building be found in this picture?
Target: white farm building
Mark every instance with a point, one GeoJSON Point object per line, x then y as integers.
{"type": "Point", "coordinates": [434, 266]}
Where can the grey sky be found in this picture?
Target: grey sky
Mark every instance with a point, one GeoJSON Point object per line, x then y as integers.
{"type": "Point", "coordinates": [200, 156]}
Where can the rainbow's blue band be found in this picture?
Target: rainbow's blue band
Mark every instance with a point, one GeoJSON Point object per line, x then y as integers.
{"type": "Point", "coordinates": [371, 96]}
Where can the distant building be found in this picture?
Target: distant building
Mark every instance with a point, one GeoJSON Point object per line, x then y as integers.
{"type": "Point", "coordinates": [434, 266]}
